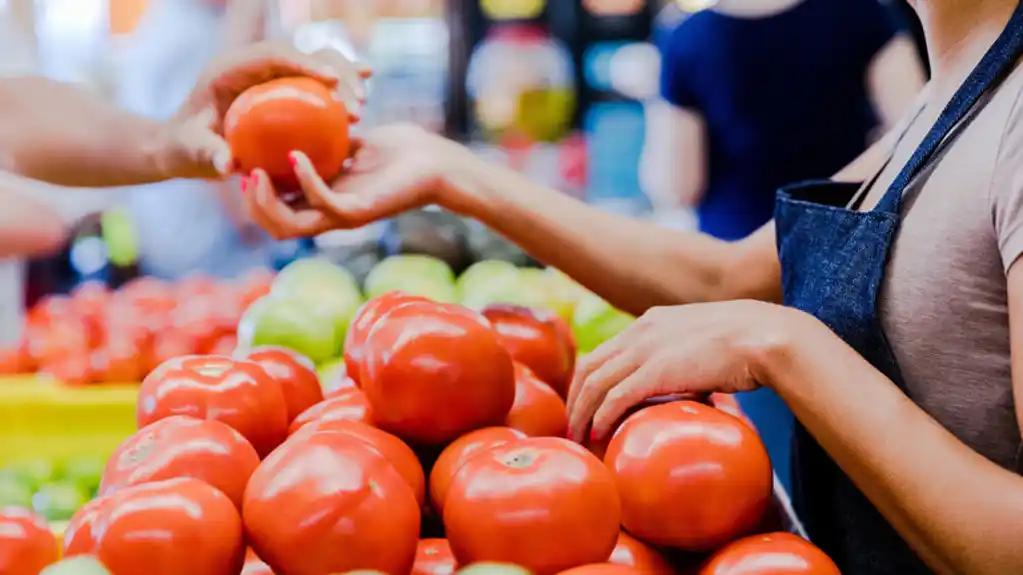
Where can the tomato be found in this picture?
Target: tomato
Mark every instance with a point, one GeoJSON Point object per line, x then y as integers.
{"type": "Point", "coordinates": [486, 568]}
{"type": "Point", "coordinates": [239, 393]}
{"type": "Point", "coordinates": [14, 359]}
{"type": "Point", "coordinates": [351, 406]}
{"type": "Point", "coordinates": [771, 554]}
{"type": "Point", "coordinates": [254, 285]}
{"type": "Point", "coordinates": [90, 298]}
{"type": "Point", "coordinates": [162, 528]}
{"type": "Point", "coordinates": [26, 543]}
{"type": "Point", "coordinates": [254, 565]}
{"type": "Point", "coordinates": [296, 374]}
{"type": "Point", "coordinates": [691, 476]}
{"type": "Point", "coordinates": [434, 557]}
{"type": "Point", "coordinates": [543, 502]}
{"type": "Point", "coordinates": [269, 121]}
{"type": "Point", "coordinates": [632, 552]}
{"type": "Point", "coordinates": [363, 321]}
{"type": "Point", "coordinates": [224, 345]}
{"type": "Point", "coordinates": [337, 384]}
{"type": "Point", "coordinates": [460, 450]}
{"type": "Point", "coordinates": [149, 293]}
{"type": "Point", "coordinates": [179, 446]}
{"type": "Point", "coordinates": [538, 411]}
{"type": "Point", "coordinates": [55, 340]}
{"type": "Point", "coordinates": [73, 370]}
{"type": "Point", "coordinates": [538, 339]}
{"type": "Point", "coordinates": [328, 503]}
{"type": "Point", "coordinates": [434, 371]}
{"type": "Point", "coordinates": [598, 447]}
{"type": "Point", "coordinates": [400, 455]}
{"type": "Point", "coordinates": [602, 569]}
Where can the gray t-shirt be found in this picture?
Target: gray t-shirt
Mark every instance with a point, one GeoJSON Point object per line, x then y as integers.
{"type": "Point", "coordinates": [944, 304]}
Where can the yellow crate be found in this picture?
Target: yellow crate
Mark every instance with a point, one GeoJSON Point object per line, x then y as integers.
{"type": "Point", "coordinates": [42, 419]}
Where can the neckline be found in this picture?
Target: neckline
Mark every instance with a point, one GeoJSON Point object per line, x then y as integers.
{"type": "Point", "coordinates": [770, 17]}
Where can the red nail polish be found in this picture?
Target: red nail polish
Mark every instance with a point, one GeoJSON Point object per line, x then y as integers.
{"type": "Point", "coordinates": [593, 436]}
{"type": "Point", "coordinates": [244, 186]}
{"type": "Point", "coordinates": [293, 159]}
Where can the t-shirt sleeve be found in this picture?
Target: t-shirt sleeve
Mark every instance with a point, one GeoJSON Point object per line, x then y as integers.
{"type": "Point", "coordinates": [1006, 193]}
{"type": "Point", "coordinates": [875, 23]}
{"type": "Point", "coordinates": [678, 72]}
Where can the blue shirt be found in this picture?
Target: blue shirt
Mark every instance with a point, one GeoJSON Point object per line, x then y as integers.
{"type": "Point", "coordinates": [784, 98]}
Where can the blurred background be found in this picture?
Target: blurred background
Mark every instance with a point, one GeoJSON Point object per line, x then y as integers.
{"type": "Point", "coordinates": [561, 90]}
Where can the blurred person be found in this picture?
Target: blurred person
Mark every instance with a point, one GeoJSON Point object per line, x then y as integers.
{"type": "Point", "coordinates": [884, 305]}
{"type": "Point", "coordinates": [188, 225]}
{"type": "Point", "coordinates": [758, 94]}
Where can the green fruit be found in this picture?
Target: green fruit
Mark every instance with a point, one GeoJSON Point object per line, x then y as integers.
{"type": "Point", "coordinates": [15, 493]}
{"type": "Point", "coordinates": [32, 472]}
{"type": "Point", "coordinates": [290, 323]}
{"type": "Point", "coordinates": [77, 565]}
{"type": "Point", "coordinates": [487, 568]}
{"type": "Point", "coordinates": [596, 321]}
{"type": "Point", "coordinates": [59, 501]}
{"type": "Point", "coordinates": [86, 472]}
{"type": "Point", "coordinates": [413, 274]}
{"type": "Point", "coordinates": [326, 288]}
{"type": "Point", "coordinates": [481, 274]}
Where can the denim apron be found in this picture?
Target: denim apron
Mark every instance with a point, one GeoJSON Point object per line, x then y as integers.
{"type": "Point", "coordinates": [833, 260]}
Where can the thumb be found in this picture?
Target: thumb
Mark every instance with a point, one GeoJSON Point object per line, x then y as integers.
{"type": "Point", "coordinates": [199, 152]}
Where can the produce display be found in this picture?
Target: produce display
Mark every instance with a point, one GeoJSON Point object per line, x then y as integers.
{"type": "Point", "coordinates": [405, 436]}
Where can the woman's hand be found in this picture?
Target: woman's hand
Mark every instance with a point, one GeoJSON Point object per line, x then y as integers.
{"type": "Point", "coordinates": [191, 145]}
{"type": "Point", "coordinates": [393, 169]}
{"type": "Point", "coordinates": [699, 348]}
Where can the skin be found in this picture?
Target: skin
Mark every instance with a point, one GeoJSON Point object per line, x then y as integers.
{"type": "Point", "coordinates": [674, 162]}
{"type": "Point", "coordinates": [902, 459]}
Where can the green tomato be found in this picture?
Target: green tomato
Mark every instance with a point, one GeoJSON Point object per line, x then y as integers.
{"type": "Point", "coordinates": [32, 472]}
{"type": "Point", "coordinates": [488, 568]}
{"type": "Point", "coordinates": [59, 501]}
{"type": "Point", "coordinates": [483, 273]}
{"type": "Point", "coordinates": [86, 472]}
{"type": "Point", "coordinates": [596, 321]}
{"type": "Point", "coordinates": [290, 323]}
{"type": "Point", "coordinates": [77, 565]}
{"type": "Point", "coordinates": [413, 274]}
{"type": "Point", "coordinates": [15, 493]}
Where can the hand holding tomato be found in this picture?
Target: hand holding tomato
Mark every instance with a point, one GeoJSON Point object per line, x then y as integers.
{"type": "Point", "coordinates": [699, 348]}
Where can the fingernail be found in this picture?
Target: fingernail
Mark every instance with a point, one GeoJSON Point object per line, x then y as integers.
{"type": "Point", "coordinates": [293, 158]}
{"type": "Point", "coordinates": [222, 162]}
{"type": "Point", "coordinates": [594, 436]}
{"type": "Point", "coordinates": [245, 185]}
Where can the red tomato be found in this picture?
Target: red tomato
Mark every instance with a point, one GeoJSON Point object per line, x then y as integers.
{"type": "Point", "coordinates": [14, 360]}
{"type": "Point", "coordinates": [544, 503]}
{"type": "Point", "coordinates": [434, 371]}
{"type": "Point", "coordinates": [351, 406]}
{"type": "Point", "coordinates": [691, 477]}
{"type": "Point", "coordinates": [296, 374]}
{"type": "Point", "coordinates": [90, 298]}
{"type": "Point", "coordinates": [400, 455]}
{"type": "Point", "coordinates": [363, 321]}
{"type": "Point", "coordinates": [538, 339]}
{"type": "Point", "coordinates": [225, 345]}
{"type": "Point", "coordinates": [169, 345]}
{"type": "Point", "coordinates": [328, 503]}
{"type": "Point", "coordinates": [163, 528]}
{"type": "Point", "coordinates": [632, 552]}
{"type": "Point", "coordinates": [269, 121]}
{"type": "Point", "coordinates": [338, 384]}
{"type": "Point", "coordinates": [149, 293]}
{"type": "Point", "coordinates": [254, 565]}
{"type": "Point", "coordinates": [460, 450]}
{"type": "Point", "coordinates": [73, 370]}
{"type": "Point", "coordinates": [771, 554]}
{"type": "Point", "coordinates": [53, 341]}
{"type": "Point", "coordinates": [602, 569]}
{"type": "Point", "coordinates": [598, 447]}
{"type": "Point", "coordinates": [434, 557]}
{"type": "Point", "coordinates": [27, 545]}
{"type": "Point", "coordinates": [254, 285]}
{"type": "Point", "coordinates": [239, 393]}
{"type": "Point", "coordinates": [178, 446]}
{"type": "Point", "coordinates": [538, 411]}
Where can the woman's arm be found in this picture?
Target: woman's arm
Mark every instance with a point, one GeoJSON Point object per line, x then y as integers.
{"type": "Point", "coordinates": [673, 167]}
{"type": "Point", "coordinates": [28, 227]}
{"type": "Point", "coordinates": [959, 511]}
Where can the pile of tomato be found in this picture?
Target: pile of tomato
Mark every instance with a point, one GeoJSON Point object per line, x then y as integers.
{"type": "Point", "coordinates": [441, 446]}
{"type": "Point", "coordinates": [96, 335]}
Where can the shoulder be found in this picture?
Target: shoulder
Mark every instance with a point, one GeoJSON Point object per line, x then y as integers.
{"type": "Point", "coordinates": [1007, 105]}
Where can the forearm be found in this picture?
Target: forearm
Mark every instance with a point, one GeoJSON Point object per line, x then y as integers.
{"type": "Point", "coordinates": [632, 264]}
{"type": "Point", "coordinates": [907, 464]}
{"type": "Point", "coordinates": [28, 227]}
{"type": "Point", "coordinates": [61, 134]}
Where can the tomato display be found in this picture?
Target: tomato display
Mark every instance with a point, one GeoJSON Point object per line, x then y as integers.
{"type": "Point", "coordinates": [434, 557]}
{"type": "Point", "coordinates": [191, 515]}
{"type": "Point", "coordinates": [400, 455]}
{"type": "Point", "coordinates": [239, 393]}
{"type": "Point", "coordinates": [538, 410]}
{"type": "Point", "coordinates": [771, 554]}
{"type": "Point", "coordinates": [540, 340]}
{"type": "Point", "coordinates": [26, 543]}
{"type": "Point", "coordinates": [602, 569]}
{"type": "Point", "coordinates": [254, 565]}
{"type": "Point", "coordinates": [269, 121]}
{"type": "Point", "coordinates": [180, 446]}
{"type": "Point", "coordinates": [434, 371]}
{"type": "Point", "coordinates": [296, 374]}
{"type": "Point", "coordinates": [632, 552]}
{"type": "Point", "coordinates": [363, 322]}
{"type": "Point", "coordinates": [690, 476]}
{"type": "Point", "coordinates": [544, 503]}
{"type": "Point", "coordinates": [460, 450]}
{"type": "Point", "coordinates": [348, 406]}
{"type": "Point", "coordinates": [328, 503]}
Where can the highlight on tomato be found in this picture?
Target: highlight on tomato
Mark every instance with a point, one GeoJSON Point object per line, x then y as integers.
{"type": "Point", "coordinates": [295, 373]}
{"type": "Point", "coordinates": [632, 552]}
{"type": "Point", "coordinates": [350, 405]}
{"type": "Point", "coordinates": [770, 554]}
{"type": "Point", "coordinates": [365, 318]}
{"type": "Point", "coordinates": [691, 477]}
{"type": "Point", "coordinates": [544, 503]}
{"type": "Point", "coordinates": [460, 450]}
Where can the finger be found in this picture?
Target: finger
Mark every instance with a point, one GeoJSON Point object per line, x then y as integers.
{"type": "Point", "coordinates": [280, 219]}
{"type": "Point", "coordinates": [629, 392]}
{"type": "Point", "coordinates": [595, 387]}
{"type": "Point", "coordinates": [350, 88]}
{"type": "Point", "coordinates": [315, 189]}
{"type": "Point", "coordinates": [596, 358]}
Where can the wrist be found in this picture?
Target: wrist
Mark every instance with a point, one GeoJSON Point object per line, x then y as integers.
{"type": "Point", "coordinates": [772, 352]}
{"type": "Point", "coordinates": [463, 185]}
{"type": "Point", "coordinates": [157, 153]}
